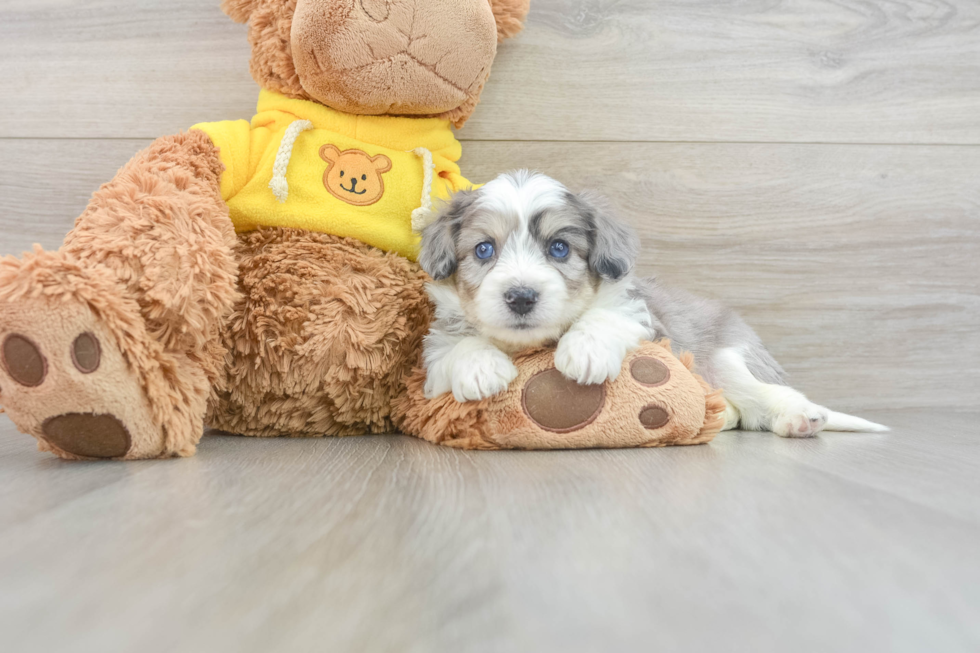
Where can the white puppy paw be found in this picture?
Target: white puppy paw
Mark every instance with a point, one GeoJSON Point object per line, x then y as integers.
{"type": "Point", "coordinates": [482, 373]}
{"type": "Point", "coordinates": [800, 422]}
{"type": "Point", "coordinates": [437, 382]}
{"type": "Point", "coordinates": [588, 359]}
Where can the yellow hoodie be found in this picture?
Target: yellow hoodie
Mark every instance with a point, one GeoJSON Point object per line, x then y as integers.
{"type": "Point", "coordinates": [303, 165]}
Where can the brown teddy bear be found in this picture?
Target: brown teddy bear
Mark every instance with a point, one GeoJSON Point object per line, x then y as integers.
{"type": "Point", "coordinates": [259, 277]}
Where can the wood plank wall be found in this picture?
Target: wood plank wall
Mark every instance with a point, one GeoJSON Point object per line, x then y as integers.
{"type": "Point", "coordinates": [815, 163]}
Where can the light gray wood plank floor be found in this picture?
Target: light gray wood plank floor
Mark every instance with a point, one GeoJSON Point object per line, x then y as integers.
{"type": "Point", "coordinates": [849, 542]}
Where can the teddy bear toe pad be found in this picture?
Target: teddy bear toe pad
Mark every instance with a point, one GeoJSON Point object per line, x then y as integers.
{"type": "Point", "coordinates": [560, 405]}
{"type": "Point", "coordinates": [649, 371]}
{"type": "Point", "coordinates": [88, 436]}
{"type": "Point", "coordinates": [23, 361]}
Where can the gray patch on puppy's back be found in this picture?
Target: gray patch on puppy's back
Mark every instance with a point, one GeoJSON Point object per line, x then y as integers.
{"type": "Point", "coordinates": [703, 326]}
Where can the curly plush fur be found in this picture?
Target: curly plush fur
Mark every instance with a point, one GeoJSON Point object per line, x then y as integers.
{"type": "Point", "coordinates": [160, 225]}
{"type": "Point", "coordinates": [509, 15]}
{"type": "Point", "coordinates": [322, 338]}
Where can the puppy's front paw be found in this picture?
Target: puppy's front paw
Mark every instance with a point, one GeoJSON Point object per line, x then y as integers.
{"type": "Point", "coordinates": [588, 359]}
{"type": "Point", "coordinates": [436, 382]}
{"type": "Point", "coordinates": [482, 373]}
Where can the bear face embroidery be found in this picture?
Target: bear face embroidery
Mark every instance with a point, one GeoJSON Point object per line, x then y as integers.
{"type": "Point", "coordinates": [354, 176]}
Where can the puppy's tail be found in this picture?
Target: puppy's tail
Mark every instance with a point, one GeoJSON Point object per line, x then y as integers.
{"type": "Point", "coordinates": [843, 422]}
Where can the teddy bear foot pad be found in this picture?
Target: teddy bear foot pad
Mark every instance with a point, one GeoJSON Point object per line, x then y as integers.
{"type": "Point", "coordinates": [64, 381]}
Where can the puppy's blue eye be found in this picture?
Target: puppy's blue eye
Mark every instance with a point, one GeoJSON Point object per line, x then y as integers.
{"type": "Point", "coordinates": [559, 249]}
{"type": "Point", "coordinates": [484, 250]}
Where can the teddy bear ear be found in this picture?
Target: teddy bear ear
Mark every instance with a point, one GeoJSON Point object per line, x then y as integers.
{"type": "Point", "coordinates": [509, 15]}
{"type": "Point", "coordinates": [239, 10]}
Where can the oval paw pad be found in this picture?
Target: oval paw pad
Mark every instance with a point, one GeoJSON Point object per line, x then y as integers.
{"type": "Point", "coordinates": [86, 353]}
{"type": "Point", "coordinates": [23, 361]}
{"type": "Point", "coordinates": [92, 436]}
{"type": "Point", "coordinates": [653, 417]}
{"type": "Point", "coordinates": [649, 371]}
{"type": "Point", "coordinates": [561, 405]}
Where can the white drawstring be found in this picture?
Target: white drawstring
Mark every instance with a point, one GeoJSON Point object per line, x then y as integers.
{"type": "Point", "coordinates": [422, 216]}
{"type": "Point", "coordinates": [279, 185]}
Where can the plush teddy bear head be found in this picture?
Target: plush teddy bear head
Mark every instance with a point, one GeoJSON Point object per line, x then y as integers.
{"type": "Point", "coordinates": [379, 57]}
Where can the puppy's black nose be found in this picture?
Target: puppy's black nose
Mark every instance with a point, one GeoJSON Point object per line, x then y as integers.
{"type": "Point", "coordinates": [521, 300]}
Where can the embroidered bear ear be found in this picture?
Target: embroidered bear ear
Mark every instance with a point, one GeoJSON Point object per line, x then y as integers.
{"type": "Point", "coordinates": [239, 10]}
{"type": "Point", "coordinates": [381, 163]}
{"type": "Point", "coordinates": [509, 15]}
{"type": "Point", "coordinates": [330, 153]}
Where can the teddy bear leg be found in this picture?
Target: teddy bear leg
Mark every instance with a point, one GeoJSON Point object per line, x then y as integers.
{"type": "Point", "coordinates": [108, 346]}
{"type": "Point", "coordinates": [324, 335]}
{"type": "Point", "coordinates": [656, 400]}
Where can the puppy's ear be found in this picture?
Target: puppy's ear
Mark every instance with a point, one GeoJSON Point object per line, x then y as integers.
{"type": "Point", "coordinates": [437, 254]}
{"type": "Point", "coordinates": [614, 246]}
